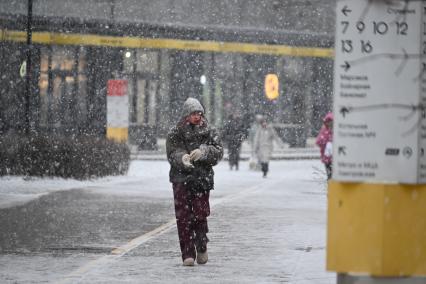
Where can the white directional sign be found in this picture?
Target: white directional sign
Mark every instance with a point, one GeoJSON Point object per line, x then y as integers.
{"type": "Point", "coordinates": [380, 91]}
{"type": "Point", "coordinates": [117, 104]}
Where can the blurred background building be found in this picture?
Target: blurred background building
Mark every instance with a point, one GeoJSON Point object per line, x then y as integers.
{"type": "Point", "coordinates": [218, 51]}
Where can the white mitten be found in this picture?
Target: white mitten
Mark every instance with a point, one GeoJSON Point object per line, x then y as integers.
{"type": "Point", "coordinates": [195, 155]}
{"type": "Point", "coordinates": [186, 160]}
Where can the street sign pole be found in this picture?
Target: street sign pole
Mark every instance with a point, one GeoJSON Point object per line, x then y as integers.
{"type": "Point", "coordinates": [377, 196]}
{"type": "Point", "coordinates": [28, 67]}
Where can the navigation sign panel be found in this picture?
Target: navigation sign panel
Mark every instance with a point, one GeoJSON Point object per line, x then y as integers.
{"type": "Point", "coordinates": [422, 79]}
{"type": "Point", "coordinates": [379, 90]}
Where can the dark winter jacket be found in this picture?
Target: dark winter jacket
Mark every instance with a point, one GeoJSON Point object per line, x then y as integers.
{"type": "Point", "coordinates": [185, 137]}
{"type": "Point", "coordinates": [233, 133]}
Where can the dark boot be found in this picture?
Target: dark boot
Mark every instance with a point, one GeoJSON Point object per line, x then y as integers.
{"type": "Point", "coordinates": [201, 241]}
{"type": "Point", "coordinates": [328, 170]}
{"type": "Point", "coordinates": [264, 167]}
{"type": "Point", "coordinates": [202, 256]}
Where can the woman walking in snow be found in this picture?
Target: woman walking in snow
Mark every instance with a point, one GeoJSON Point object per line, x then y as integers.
{"type": "Point", "coordinates": [193, 148]}
{"type": "Point", "coordinates": [324, 141]}
{"type": "Point", "coordinates": [263, 144]}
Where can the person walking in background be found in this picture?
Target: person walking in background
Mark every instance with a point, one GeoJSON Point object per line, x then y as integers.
{"type": "Point", "coordinates": [253, 162]}
{"type": "Point", "coordinates": [193, 148]}
{"type": "Point", "coordinates": [263, 144]}
{"type": "Point", "coordinates": [325, 142]}
{"type": "Point", "coordinates": [233, 134]}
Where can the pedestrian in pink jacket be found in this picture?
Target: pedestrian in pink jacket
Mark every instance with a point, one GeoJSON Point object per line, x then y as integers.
{"type": "Point", "coordinates": [325, 142]}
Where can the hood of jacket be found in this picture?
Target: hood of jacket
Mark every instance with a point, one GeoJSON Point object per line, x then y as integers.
{"type": "Point", "coordinates": [328, 117]}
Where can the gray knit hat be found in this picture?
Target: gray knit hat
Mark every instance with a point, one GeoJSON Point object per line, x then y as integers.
{"type": "Point", "coordinates": [191, 105]}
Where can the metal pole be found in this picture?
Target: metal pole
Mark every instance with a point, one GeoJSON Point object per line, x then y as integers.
{"type": "Point", "coordinates": [28, 69]}
{"type": "Point", "coordinates": [112, 13]}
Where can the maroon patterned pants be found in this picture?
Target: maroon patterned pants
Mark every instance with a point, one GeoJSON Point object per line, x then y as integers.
{"type": "Point", "coordinates": [192, 210]}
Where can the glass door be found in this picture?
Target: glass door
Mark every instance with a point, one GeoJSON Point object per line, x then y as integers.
{"type": "Point", "coordinates": [63, 102]}
{"type": "Point", "coordinates": [63, 94]}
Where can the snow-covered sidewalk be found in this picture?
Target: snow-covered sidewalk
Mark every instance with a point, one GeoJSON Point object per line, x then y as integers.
{"type": "Point", "coordinates": [261, 230]}
{"type": "Point", "coordinates": [311, 151]}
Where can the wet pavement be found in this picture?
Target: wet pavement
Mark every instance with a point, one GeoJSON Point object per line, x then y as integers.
{"type": "Point", "coordinates": [261, 230]}
{"type": "Point", "coordinates": [77, 220]}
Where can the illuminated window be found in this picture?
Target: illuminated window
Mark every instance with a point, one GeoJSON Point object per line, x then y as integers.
{"type": "Point", "coordinates": [147, 61]}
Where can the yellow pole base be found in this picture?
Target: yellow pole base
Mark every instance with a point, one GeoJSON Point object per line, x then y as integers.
{"type": "Point", "coordinates": [117, 134]}
{"type": "Point", "coordinates": [376, 229]}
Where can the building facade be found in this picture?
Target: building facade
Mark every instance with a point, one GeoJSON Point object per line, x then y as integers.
{"type": "Point", "coordinates": [216, 51]}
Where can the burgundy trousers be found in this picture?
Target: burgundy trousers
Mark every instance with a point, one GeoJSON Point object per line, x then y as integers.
{"type": "Point", "coordinates": [191, 209]}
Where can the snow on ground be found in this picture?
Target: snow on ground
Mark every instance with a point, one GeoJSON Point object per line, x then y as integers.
{"type": "Point", "coordinates": [261, 230]}
{"type": "Point", "coordinates": [16, 190]}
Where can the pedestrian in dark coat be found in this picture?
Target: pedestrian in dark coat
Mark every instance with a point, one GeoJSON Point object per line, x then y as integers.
{"type": "Point", "coordinates": [233, 135]}
{"type": "Point", "coordinates": [193, 148]}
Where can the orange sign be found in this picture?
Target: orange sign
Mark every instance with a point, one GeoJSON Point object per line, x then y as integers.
{"type": "Point", "coordinates": [272, 86]}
